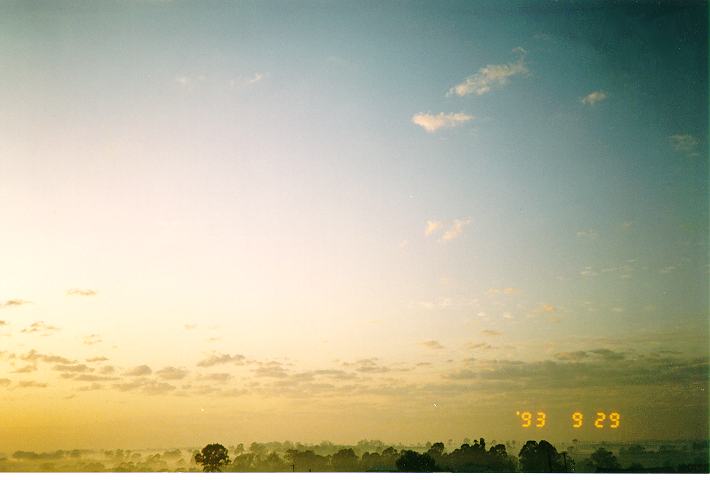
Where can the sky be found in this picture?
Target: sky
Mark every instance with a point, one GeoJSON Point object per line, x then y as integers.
{"type": "Point", "coordinates": [405, 221]}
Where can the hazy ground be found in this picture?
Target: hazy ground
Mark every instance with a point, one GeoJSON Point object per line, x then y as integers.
{"type": "Point", "coordinates": [647, 454]}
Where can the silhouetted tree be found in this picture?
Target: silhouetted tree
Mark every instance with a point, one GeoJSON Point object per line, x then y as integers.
{"type": "Point", "coordinates": [540, 457]}
{"type": "Point", "coordinates": [475, 458]}
{"type": "Point", "coordinates": [307, 461]}
{"type": "Point", "coordinates": [603, 459]}
{"type": "Point", "coordinates": [213, 457]}
{"type": "Point", "coordinates": [411, 461]}
{"type": "Point", "coordinates": [344, 460]}
{"type": "Point", "coordinates": [436, 449]}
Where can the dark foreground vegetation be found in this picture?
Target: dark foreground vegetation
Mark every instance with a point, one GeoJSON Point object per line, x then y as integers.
{"type": "Point", "coordinates": [534, 457]}
{"type": "Point", "coordinates": [375, 456]}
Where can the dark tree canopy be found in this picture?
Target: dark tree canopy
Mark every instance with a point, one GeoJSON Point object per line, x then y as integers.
{"type": "Point", "coordinates": [603, 459]}
{"type": "Point", "coordinates": [411, 461]}
{"type": "Point", "coordinates": [213, 457]}
{"type": "Point", "coordinates": [540, 457]}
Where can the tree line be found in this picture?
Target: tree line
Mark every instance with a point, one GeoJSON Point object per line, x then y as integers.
{"type": "Point", "coordinates": [476, 456]}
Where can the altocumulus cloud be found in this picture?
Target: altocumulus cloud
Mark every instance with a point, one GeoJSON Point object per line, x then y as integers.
{"type": "Point", "coordinates": [218, 359]}
{"type": "Point", "coordinates": [171, 373]}
{"type": "Point", "coordinates": [41, 328]}
{"type": "Point", "coordinates": [433, 122]}
{"type": "Point", "coordinates": [491, 76]}
{"type": "Point", "coordinates": [138, 371]}
{"type": "Point", "coordinates": [33, 356]}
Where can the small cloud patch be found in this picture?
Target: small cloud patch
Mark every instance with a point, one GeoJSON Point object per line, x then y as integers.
{"type": "Point", "coordinates": [433, 122]}
{"type": "Point", "coordinates": [491, 77]}
{"type": "Point", "coordinates": [40, 328]}
{"type": "Point", "coordinates": [139, 371]}
{"type": "Point", "coordinates": [685, 143]}
{"type": "Point", "coordinates": [14, 302]}
{"type": "Point", "coordinates": [81, 292]}
{"type": "Point", "coordinates": [218, 359]}
{"type": "Point", "coordinates": [593, 98]}
{"type": "Point", "coordinates": [432, 344]}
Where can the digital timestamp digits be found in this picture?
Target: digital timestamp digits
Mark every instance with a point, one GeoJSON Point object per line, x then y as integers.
{"type": "Point", "coordinates": [601, 420]}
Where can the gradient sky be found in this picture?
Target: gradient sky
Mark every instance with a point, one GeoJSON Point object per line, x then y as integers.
{"type": "Point", "coordinates": [237, 221]}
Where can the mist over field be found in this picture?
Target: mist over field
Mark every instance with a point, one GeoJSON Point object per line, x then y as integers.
{"type": "Point", "coordinates": [369, 455]}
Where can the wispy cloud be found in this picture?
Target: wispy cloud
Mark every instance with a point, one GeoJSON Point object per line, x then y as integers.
{"type": "Point", "coordinates": [81, 292]}
{"type": "Point", "coordinates": [96, 359]}
{"type": "Point", "coordinates": [432, 344]}
{"type": "Point", "coordinates": [599, 353]}
{"type": "Point", "coordinates": [14, 302]}
{"type": "Point", "coordinates": [215, 377]}
{"type": "Point", "coordinates": [432, 226]}
{"type": "Point", "coordinates": [33, 356]}
{"type": "Point", "coordinates": [30, 367]}
{"type": "Point", "coordinates": [589, 234]}
{"type": "Point", "coordinates": [455, 230]}
{"type": "Point", "coordinates": [171, 373]}
{"type": "Point", "coordinates": [217, 359]}
{"type": "Point", "coordinates": [93, 378]}
{"type": "Point", "coordinates": [367, 365]}
{"type": "Point", "coordinates": [504, 291]}
{"type": "Point", "coordinates": [593, 98]}
{"type": "Point", "coordinates": [72, 368]}
{"type": "Point", "coordinates": [248, 80]}
{"type": "Point", "coordinates": [491, 77]}
{"type": "Point", "coordinates": [149, 387]}
{"type": "Point", "coordinates": [31, 384]}
{"type": "Point", "coordinates": [685, 143]}
{"type": "Point", "coordinates": [139, 371]}
{"type": "Point", "coordinates": [547, 311]}
{"type": "Point", "coordinates": [41, 328]}
{"type": "Point", "coordinates": [92, 339]}
{"type": "Point", "coordinates": [433, 122]}
{"type": "Point", "coordinates": [273, 370]}
{"type": "Point", "coordinates": [491, 333]}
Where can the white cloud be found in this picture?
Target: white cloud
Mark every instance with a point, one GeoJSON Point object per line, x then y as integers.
{"type": "Point", "coordinates": [684, 143]}
{"type": "Point", "coordinates": [594, 97]}
{"type": "Point", "coordinates": [491, 76]}
{"type": "Point", "coordinates": [432, 226]}
{"type": "Point", "coordinates": [431, 123]}
{"type": "Point", "coordinates": [456, 229]}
